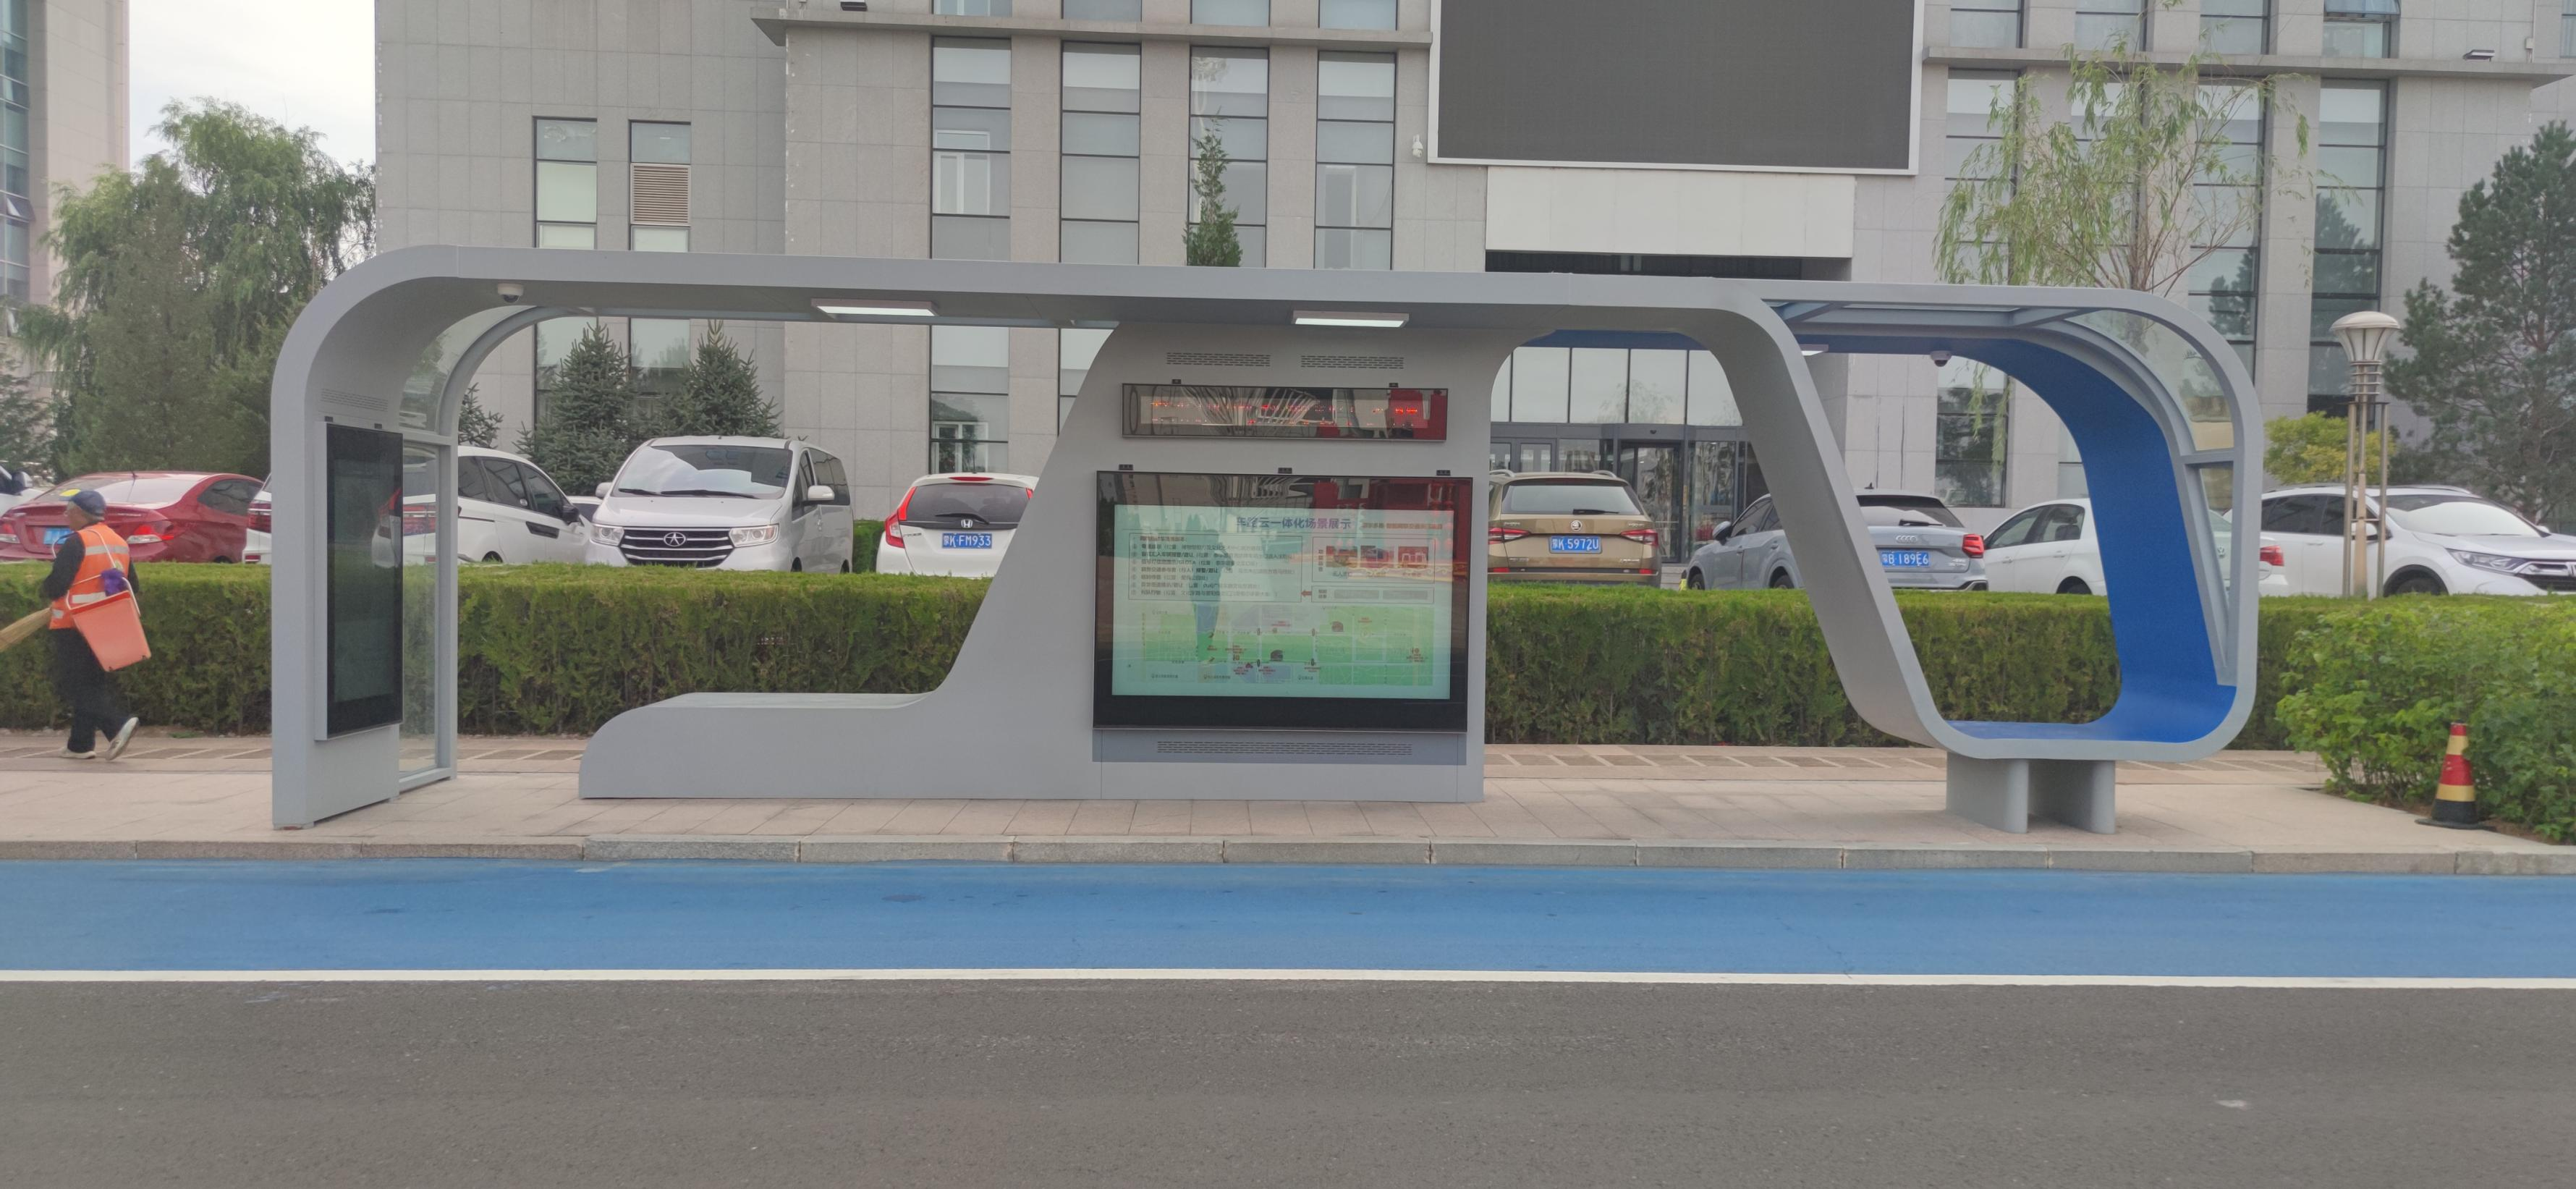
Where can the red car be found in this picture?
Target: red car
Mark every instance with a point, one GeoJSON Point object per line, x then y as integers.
{"type": "Point", "coordinates": [163, 516]}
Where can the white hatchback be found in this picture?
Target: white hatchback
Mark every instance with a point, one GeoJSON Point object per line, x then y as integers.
{"type": "Point", "coordinates": [2049, 548]}
{"type": "Point", "coordinates": [955, 526]}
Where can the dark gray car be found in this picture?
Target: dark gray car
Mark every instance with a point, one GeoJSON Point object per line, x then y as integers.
{"type": "Point", "coordinates": [1921, 545]}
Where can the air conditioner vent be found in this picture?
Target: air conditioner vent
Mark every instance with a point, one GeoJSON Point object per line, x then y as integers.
{"type": "Point", "coordinates": [1215, 359]}
{"type": "Point", "coordinates": [661, 195]}
{"type": "Point", "coordinates": [1380, 362]}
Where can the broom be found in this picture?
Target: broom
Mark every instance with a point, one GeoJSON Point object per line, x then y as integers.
{"type": "Point", "coordinates": [16, 633]}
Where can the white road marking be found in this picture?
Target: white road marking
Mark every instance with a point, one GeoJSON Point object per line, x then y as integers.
{"type": "Point", "coordinates": [1076, 974]}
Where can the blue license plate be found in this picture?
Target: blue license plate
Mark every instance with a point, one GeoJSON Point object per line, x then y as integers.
{"type": "Point", "coordinates": [56, 536]}
{"type": "Point", "coordinates": [1905, 559]}
{"type": "Point", "coordinates": [965, 540]}
{"type": "Point", "coordinates": [1574, 544]}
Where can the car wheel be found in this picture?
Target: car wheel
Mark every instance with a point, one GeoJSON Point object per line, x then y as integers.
{"type": "Point", "coordinates": [492, 557]}
{"type": "Point", "coordinates": [222, 561]}
{"type": "Point", "coordinates": [1692, 581]}
{"type": "Point", "coordinates": [845, 567]}
{"type": "Point", "coordinates": [797, 566]}
{"type": "Point", "coordinates": [2073, 586]}
{"type": "Point", "coordinates": [1782, 581]}
{"type": "Point", "coordinates": [2417, 582]}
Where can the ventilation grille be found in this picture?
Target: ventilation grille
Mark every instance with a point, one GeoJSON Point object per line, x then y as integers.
{"type": "Point", "coordinates": [1279, 747]}
{"type": "Point", "coordinates": [357, 400]}
{"type": "Point", "coordinates": [1382, 362]}
{"type": "Point", "coordinates": [1214, 359]}
{"type": "Point", "coordinates": [661, 195]}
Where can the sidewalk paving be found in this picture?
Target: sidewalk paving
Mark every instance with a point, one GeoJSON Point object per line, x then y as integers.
{"type": "Point", "coordinates": [1545, 805]}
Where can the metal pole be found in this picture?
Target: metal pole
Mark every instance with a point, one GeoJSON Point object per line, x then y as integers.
{"type": "Point", "coordinates": [2356, 420]}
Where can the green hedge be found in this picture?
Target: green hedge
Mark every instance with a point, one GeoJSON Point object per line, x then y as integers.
{"type": "Point", "coordinates": [209, 666]}
{"type": "Point", "coordinates": [2375, 690]}
{"type": "Point", "coordinates": [871, 534]}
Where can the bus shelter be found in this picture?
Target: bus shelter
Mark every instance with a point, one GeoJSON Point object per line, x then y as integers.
{"type": "Point", "coordinates": [1254, 567]}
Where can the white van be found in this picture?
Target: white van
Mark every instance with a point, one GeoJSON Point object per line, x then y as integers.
{"type": "Point", "coordinates": [725, 503]}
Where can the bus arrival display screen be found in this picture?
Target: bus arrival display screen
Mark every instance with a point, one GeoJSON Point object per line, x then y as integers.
{"type": "Point", "coordinates": [1279, 601]}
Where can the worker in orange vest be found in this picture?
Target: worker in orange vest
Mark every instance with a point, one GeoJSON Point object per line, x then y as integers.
{"type": "Point", "coordinates": [90, 566]}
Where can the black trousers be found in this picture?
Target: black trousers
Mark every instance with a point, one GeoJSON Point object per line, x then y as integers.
{"type": "Point", "coordinates": [88, 688]}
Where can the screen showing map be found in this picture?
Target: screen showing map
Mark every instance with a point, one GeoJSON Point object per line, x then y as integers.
{"type": "Point", "coordinates": [1281, 601]}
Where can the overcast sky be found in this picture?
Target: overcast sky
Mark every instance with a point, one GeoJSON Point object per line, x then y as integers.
{"type": "Point", "coordinates": [303, 63]}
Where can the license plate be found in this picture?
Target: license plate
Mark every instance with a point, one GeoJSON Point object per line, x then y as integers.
{"type": "Point", "coordinates": [1574, 544]}
{"type": "Point", "coordinates": [965, 540]}
{"type": "Point", "coordinates": [56, 536]}
{"type": "Point", "coordinates": [1905, 559]}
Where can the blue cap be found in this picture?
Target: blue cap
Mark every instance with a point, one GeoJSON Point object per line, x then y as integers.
{"type": "Point", "coordinates": [90, 501]}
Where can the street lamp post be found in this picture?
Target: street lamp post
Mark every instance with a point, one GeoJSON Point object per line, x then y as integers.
{"type": "Point", "coordinates": [2365, 338]}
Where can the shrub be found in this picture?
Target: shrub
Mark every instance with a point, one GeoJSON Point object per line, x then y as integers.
{"type": "Point", "coordinates": [209, 666]}
{"type": "Point", "coordinates": [863, 559]}
{"type": "Point", "coordinates": [2374, 690]}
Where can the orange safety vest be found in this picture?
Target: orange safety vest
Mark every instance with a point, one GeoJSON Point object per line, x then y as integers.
{"type": "Point", "coordinates": [104, 550]}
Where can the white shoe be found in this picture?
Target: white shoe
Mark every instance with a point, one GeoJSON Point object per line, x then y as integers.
{"type": "Point", "coordinates": [68, 754]}
{"type": "Point", "coordinates": [124, 735]}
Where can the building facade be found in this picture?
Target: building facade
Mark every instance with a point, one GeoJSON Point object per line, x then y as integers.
{"type": "Point", "coordinates": [63, 121]}
{"type": "Point", "coordinates": [1069, 130]}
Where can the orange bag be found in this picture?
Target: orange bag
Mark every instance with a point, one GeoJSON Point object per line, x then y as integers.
{"type": "Point", "coordinates": [114, 628]}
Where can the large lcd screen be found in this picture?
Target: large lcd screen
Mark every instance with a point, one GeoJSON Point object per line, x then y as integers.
{"type": "Point", "coordinates": [1825, 85]}
{"type": "Point", "coordinates": [1280, 601]}
{"type": "Point", "coordinates": [362, 591]}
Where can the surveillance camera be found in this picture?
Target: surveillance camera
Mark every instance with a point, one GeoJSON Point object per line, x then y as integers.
{"type": "Point", "coordinates": [512, 291]}
{"type": "Point", "coordinates": [1940, 358]}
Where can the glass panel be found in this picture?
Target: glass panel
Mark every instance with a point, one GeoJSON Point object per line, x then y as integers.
{"type": "Point", "coordinates": [1580, 455]}
{"type": "Point", "coordinates": [660, 239]}
{"type": "Point", "coordinates": [1539, 377]}
{"type": "Point", "coordinates": [1355, 86]}
{"type": "Point", "coordinates": [979, 128]}
{"type": "Point", "coordinates": [1230, 82]}
{"type": "Point", "coordinates": [417, 745]}
{"type": "Point", "coordinates": [363, 597]}
{"type": "Point", "coordinates": [1074, 352]}
{"type": "Point", "coordinates": [567, 140]}
{"type": "Point", "coordinates": [1357, 14]}
{"type": "Point", "coordinates": [1098, 243]}
{"type": "Point", "coordinates": [970, 358]}
{"type": "Point", "coordinates": [971, 8]}
{"type": "Point", "coordinates": [2230, 35]}
{"type": "Point", "coordinates": [1656, 381]}
{"type": "Point", "coordinates": [1713, 489]}
{"type": "Point", "coordinates": [1354, 195]}
{"type": "Point", "coordinates": [1101, 77]}
{"type": "Point", "coordinates": [970, 183]}
{"type": "Point", "coordinates": [2348, 166]}
{"type": "Point", "coordinates": [1100, 188]}
{"type": "Point", "coordinates": [2348, 114]}
{"type": "Point", "coordinates": [1243, 139]}
{"type": "Point", "coordinates": [962, 237]}
{"type": "Point", "coordinates": [658, 344]}
{"type": "Point", "coordinates": [1366, 144]}
{"type": "Point", "coordinates": [1247, 190]}
{"type": "Point", "coordinates": [2356, 39]}
{"type": "Point", "coordinates": [1104, 10]}
{"type": "Point", "coordinates": [1985, 30]}
{"type": "Point", "coordinates": [567, 192]}
{"type": "Point", "coordinates": [1101, 134]}
{"type": "Point", "coordinates": [2348, 272]}
{"type": "Point", "coordinates": [1600, 384]}
{"type": "Point", "coordinates": [1354, 247]}
{"type": "Point", "coordinates": [1712, 398]}
{"type": "Point", "coordinates": [2347, 219]}
{"type": "Point", "coordinates": [970, 73]}
{"type": "Point", "coordinates": [2101, 31]}
{"type": "Point", "coordinates": [580, 236]}
{"type": "Point", "coordinates": [1230, 12]}
{"type": "Point", "coordinates": [658, 144]}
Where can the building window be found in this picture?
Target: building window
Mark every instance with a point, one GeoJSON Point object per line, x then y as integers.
{"type": "Point", "coordinates": [2567, 30]}
{"type": "Point", "coordinates": [1102, 137]}
{"type": "Point", "coordinates": [2223, 284]}
{"type": "Point", "coordinates": [2235, 26]}
{"type": "Point", "coordinates": [970, 8]}
{"type": "Point", "coordinates": [555, 339]}
{"type": "Point", "coordinates": [1074, 351]}
{"type": "Point", "coordinates": [657, 157]}
{"type": "Point", "coordinates": [17, 209]}
{"type": "Point", "coordinates": [657, 348]}
{"type": "Point", "coordinates": [1355, 160]}
{"type": "Point", "coordinates": [2102, 24]}
{"type": "Point", "coordinates": [2361, 28]}
{"type": "Point", "coordinates": [970, 402]}
{"type": "Point", "coordinates": [1229, 12]}
{"type": "Point", "coordinates": [1641, 386]}
{"type": "Point", "coordinates": [1978, 100]}
{"type": "Point", "coordinates": [1986, 24]}
{"type": "Point", "coordinates": [1230, 96]}
{"type": "Point", "coordinates": [1104, 10]}
{"type": "Point", "coordinates": [1357, 14]}
{"type": "Point", "coordinates": [970, 149]}
{"type": "Point", "coordinates": [1971, 434]}
{"type": "Point", "coordinates": [568, 184]}
{"type": "Point", "coordinates": [2352, 152]}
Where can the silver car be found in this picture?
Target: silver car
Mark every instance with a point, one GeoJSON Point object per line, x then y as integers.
{"type": "Point", "coordinates": [1921, 545]}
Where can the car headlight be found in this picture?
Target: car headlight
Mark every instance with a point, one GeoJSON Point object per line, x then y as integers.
{"type": "Point", "coordinates": [606, 534]}
{"type": "Point", "coordinates": [2488, 561]}
{"type": "Point", "coordinates": [758, 534]}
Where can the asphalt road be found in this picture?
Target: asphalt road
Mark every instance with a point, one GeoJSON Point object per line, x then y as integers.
{"type": "Point", "coordinates": [1211, 1085]}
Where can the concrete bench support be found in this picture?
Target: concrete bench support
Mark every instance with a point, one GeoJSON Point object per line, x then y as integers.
{"type": "Point", "coordinates": [2006, 794]}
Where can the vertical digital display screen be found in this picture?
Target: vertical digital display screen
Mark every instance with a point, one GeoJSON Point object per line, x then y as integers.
{"type": "Point", "coordinates": [1291, 602]}
{"type": "Point", "coordinates": [362, 577]}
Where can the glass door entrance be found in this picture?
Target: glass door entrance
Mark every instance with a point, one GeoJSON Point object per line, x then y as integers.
{"type": "Point", "coordinates": [1655, 470]}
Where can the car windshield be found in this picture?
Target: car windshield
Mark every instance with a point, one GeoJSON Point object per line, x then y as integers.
{"type": "Point", "coordinates": [707, 469]}
{"type": "Point", "coordinates": [1569, 498]}
{"type": "Point", "coordinates": [124, 489]}
{"type": "Point", "coordinates": [2458, 516]}
{"type": "Point", "coordinates": [1907, 511]}
{"type": "Point", "coordinates": [989, 505]}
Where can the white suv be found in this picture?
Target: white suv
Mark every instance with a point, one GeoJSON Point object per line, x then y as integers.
{"type": "Point", "coordinates": [2441, 540]}
{"type": "Point", "coordinates": [955, 526]}
{"type": "Point", "coordinates": [725, 503]}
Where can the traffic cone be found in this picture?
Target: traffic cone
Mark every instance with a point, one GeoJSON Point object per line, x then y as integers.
{"type": "Point", "coordinates": [2455, 803]}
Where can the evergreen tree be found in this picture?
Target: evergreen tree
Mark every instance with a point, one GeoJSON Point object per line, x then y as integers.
{"type": "Point", "coordinates": [476, 425]}
{"type": "Point", "coordinates": [26, 421]}
{"type": "Point", "coordinates": [1211, 242]}
{"type": "Point", "coordinates": [719, 394]}
{"type": "Point", "coordinates": [2493, 362]}
{"type": "Point", "coordinates": [587, 427]}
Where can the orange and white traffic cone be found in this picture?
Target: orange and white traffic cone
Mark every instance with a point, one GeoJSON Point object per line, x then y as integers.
{"type": "Point", "coordinates": [2455, 802]}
